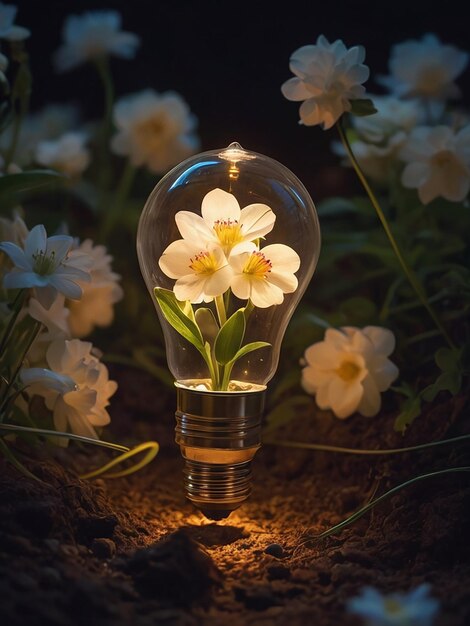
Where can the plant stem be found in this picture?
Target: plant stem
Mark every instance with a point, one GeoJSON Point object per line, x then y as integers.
{"type": "Point", "coordinates": [17, 305]}
{"type": "Point", "coordinates": [328, 448]}
{"type": "Point", "coordinates": [352, 518]}
{"type": "Point", "coordinates": [409, 273]}
{"type": "Point", "coordinates": [53, 433]}
{"type": "Point", "coordinates": [113, 212]}
{"type": "Point", "coordinates": [17, 123]}
{"type": "Point", "coordinates": [221, 313]}
{"type": "Point", "coordinates": [102, 66]}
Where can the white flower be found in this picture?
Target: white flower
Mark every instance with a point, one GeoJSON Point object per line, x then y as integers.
{"type": "Point", "coordinates": [83, 408]}
{"type": "Point", "coordinates": [8, 30]}
{"type": "Point", "coordinates": [156, 130]}
{"type": "Point", "coordinates": [327, 77]}
{"type": "Point", "coordinates": [437, 163]}
{"type": "Point", "coordinates": [376, 161]}
{"type": "Point", "coordinates": [47, 264]}
{"type": "Point", "coordinates": [93, 35]}
{"type": "Point", "coordinates": [264, 276]}
{"type": "Point", "coordinates": [377, 138]}
{"type": "Point", "coordinates": [55, 322]}
{"type": "Point", "coordinates": [67, 154]}
{"type": "Point", "coordinates": [224, 223]}
{"type": "Point", "coordinates": [348, 370]}
{"type": "Point", "coordinates": [392, 116]}
{"type": "Point", "coordinates": [201, 273]}
{"type": "Point", "coordinates": [47, 124]}
{"type": "Point", "coordinates": [415, 608]}
{"type": "Point", "coordinates": [425, 68]}
{"type": "Point", "coordinates": [96, 306]}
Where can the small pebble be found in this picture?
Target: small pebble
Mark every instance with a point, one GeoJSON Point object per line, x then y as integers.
{"type": "Point", "coordinates": [103, 548]}
{"type": "Point", "coordinates": [276, 550]}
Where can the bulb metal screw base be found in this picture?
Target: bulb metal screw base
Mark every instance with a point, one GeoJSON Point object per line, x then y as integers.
{"type": "Point", "coordinates": [218, 434]}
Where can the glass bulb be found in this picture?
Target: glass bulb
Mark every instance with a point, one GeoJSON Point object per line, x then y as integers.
{"type": "Point", "coordinates": [231, 235]}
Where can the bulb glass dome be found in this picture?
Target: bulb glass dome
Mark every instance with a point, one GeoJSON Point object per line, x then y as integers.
{"type": "Point", "coordinates": [223, 243]}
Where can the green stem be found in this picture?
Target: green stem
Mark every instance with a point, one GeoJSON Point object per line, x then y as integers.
{"type": "Point", "coordinates": [113, 212]}
{"type": "Point", "coordinates": [17, 305]}
{"type": "Point", "coordinates": [355, 516]}
{"type": "Point", "coordinates": [102, 66]}
{"type": "Point", "coordinates": [328, 448]}
{"type": "Point", "coordinates": [221, 313]}
{"type": "Point", "coordinates": [53, 433]}
{"type": "Point", "coordinates": [412, 278]}
{"type": "Point", "coordinates": [35, 330]}
{"type": "Point", "coordinates": [17, 123]}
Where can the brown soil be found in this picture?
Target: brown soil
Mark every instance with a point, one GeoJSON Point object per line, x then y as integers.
{"type": "Point", "coordinates": [134, 551]}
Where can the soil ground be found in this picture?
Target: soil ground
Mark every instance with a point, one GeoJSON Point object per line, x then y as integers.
{"type": "Point", "coordinates": [133, 551]}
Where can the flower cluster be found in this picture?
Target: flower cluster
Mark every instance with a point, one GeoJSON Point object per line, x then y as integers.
{"type": "Point", "coordinates": [64, 290]}
{"type": "Point", "coordinates": [55, 291]}
{"type": "Point", "coordinates": [219, 251]}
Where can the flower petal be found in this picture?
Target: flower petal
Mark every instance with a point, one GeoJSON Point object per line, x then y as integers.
{"type": "Point", "coordinates": [176, 258]}
{"type": "Point", "coordinates": [264, 294]}
{"type": "Point", "coordinates": [345, 397]}
{"type": "Point", "coordinates": [190, 287]}
{"type": "Point", "coordinates": [295, 90]}
{"type": "Point", "coordinates": [193, 228]}
{"type": "Point", "coordinates": [17, 255]}
{"type": "Point", "coordinates": [288, 283]}
{"type": "Point", "coordinates": [59, 245]}
{"type": "Point", "coordinates": [219, 205]}
{"type": "Point", "coordinates": [256, 220]}
{"type": "Point", "coordinates": [219, 281]}
{"type": "Point", "coordinates": [370, 401]}
{"type": "Point", "coordinates": [323, 355]}
{"type": "Point", "coordinates": [23, 280]}
{"type": "Point", "coordinates": [283, 258]}
{"type": "Point", "coordinates": [35, 241]}
{"type": "Point", "coordinates": [382, 339]}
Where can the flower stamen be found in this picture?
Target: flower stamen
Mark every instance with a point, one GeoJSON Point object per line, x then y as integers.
{"type": "Point", "coordinates": [204, 263]}
{"type": "Point", "coordinates": [257, 265]}
{"type": "Point", "coordinates": [229, 232]}
{"type": "Point", "coordinates": [44, 265]}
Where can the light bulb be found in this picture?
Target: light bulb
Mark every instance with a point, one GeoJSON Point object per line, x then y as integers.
{"type": "Point", "coordinates": [227, 244]}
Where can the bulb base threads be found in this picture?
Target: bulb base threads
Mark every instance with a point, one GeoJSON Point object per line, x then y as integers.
{"type": "Point", "coordinates": [218, 433]}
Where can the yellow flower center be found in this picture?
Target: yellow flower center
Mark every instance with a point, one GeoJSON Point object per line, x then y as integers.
{"type": "Point", "coordinates": [204, 263]}
{"type": "Point", "coordinates": [348, 371]}
{"type": "Point", "coordinates": [443, 158]}
{"type": "Point", "coordinates": [257, 265]}
{"type": "Point", "coordinates": [229, 232]}
{"type": "Point", "coordinates": [393, 607]}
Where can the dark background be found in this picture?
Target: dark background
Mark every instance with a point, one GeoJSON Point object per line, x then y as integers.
{"type": "Point", "coordinates": [228, 60]}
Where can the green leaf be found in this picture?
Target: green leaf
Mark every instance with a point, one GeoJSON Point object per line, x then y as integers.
{"type": "Point", "coordinates": [448, 381]}
{"type": "Point", "coordinates": [25, 181]}
{"type": "Point", "coordinates": [447, 359]}
{"type": "Point", "coordinates": [411, 409]}
{"type": "Point", "coordinates": [230, 337]}
{"type": "Point", "coordinates": [362, 107]}
{"type": "Point", "coordinates": [187, 309]}
{"type": "Point", "coordinates": [207, 323]}
{"type": "Point", "coordinates": [177, 319]}
{"type": "Point", "coordinates": [250, 347]}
